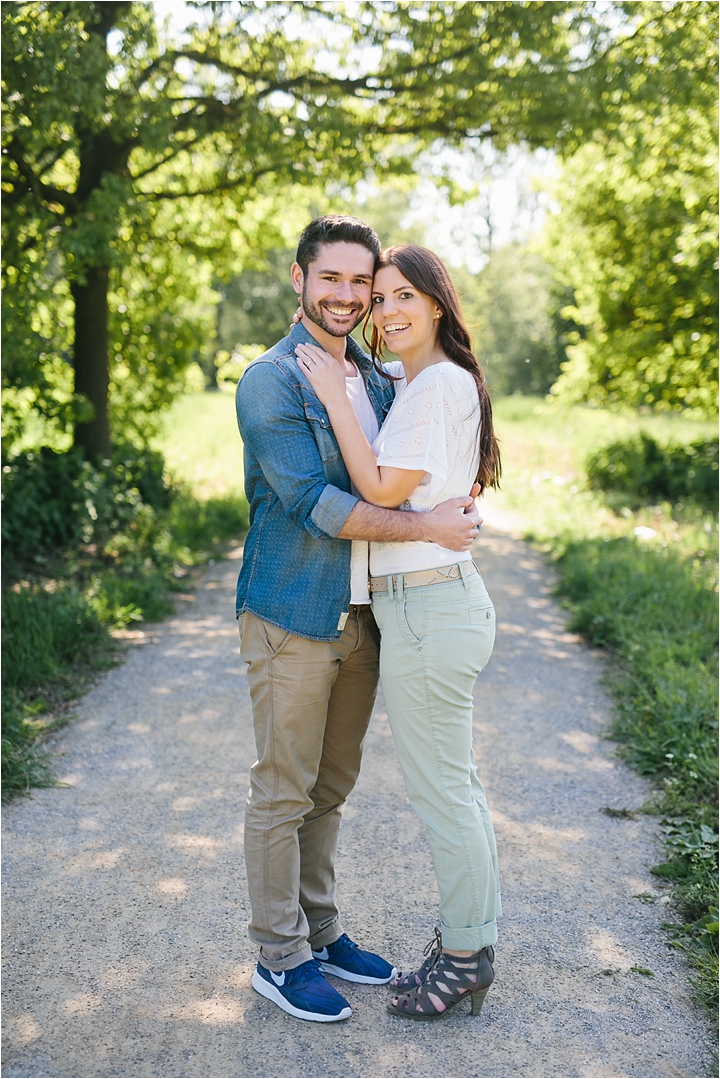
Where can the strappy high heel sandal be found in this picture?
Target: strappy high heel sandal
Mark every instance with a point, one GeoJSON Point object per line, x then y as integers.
{"type": "Point", "coordinates": [451, 979]}
{"type": "Point", "coordinates": [414, 978]}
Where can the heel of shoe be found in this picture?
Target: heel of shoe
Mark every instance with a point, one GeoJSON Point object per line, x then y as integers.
{"type": "Point", "coordinates": [477, 1001]}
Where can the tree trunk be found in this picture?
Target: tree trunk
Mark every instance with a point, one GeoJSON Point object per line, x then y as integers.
{"type": "Point", "coordinates": [91, 360]}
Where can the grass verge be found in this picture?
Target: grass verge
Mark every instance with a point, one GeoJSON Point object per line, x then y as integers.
{"type": "Point", "coordinates": [657, 614]}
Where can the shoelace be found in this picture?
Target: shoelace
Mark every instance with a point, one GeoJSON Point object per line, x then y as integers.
{"type": "Point", "coordinates": [308, 975]}
{"type": "Point", "coordinates": [344, 944]}
{"type": "Point", "coordinates": [434, 945]}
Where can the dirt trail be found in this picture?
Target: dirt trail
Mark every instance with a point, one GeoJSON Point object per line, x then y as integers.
{"type": "Point", "coordinates": [125, 899]}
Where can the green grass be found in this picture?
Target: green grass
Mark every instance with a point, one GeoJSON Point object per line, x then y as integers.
{"type": "Point", "coordinates": [545, 448]}
{"type": "Point", "coordinates": [52, 643]}
{"type": "Point", "coordinates": [640, 580]}
{"type": "Point", "coordinates": [201, 444]}
{"type": "Point", "coordinates": [656, 612]}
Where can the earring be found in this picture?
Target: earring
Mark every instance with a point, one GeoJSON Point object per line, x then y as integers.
{"type": "Point", "coordinates": [439, 315]}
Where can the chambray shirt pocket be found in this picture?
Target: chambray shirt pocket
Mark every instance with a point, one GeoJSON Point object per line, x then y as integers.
{"type": "Point", "coordinates": [321, 428]}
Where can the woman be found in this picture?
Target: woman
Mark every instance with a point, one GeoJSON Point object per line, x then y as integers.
{"type": "Point", "coordinates": [436, 619]}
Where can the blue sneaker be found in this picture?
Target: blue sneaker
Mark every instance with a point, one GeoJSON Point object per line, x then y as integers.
{"type": "Point", "coordinates": [347, 961]}
{"type": "Point", "coordinates": [302, 992]}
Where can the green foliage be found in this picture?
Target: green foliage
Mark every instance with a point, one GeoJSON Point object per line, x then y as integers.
{"type": "Point", "coordinates": [643, 471]}
{"type": "Point", "coordinates": [162, 313]}
{"type": "Point", "coordinates": [635, 229]}
{"type": "Point", "coordinates": [230, 366]}
{"type": "Point", "coordinates": [43, 635]}
{"type": "Point", "coordinates": [53, 500]}
{"type": "Point", "coordinates": [658, 613]}
{"type": "Point", "coordinates": [165, 165]}
{"type": "Point", "coordinates": [513, 306]}
{"type": "Point", "coordinates": [198, 527]}
{"type": "Point", "coordinates": [507, 71]}
{"type": "Point", "coordinates": [257, 306]}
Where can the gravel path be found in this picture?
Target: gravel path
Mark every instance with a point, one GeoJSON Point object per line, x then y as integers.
{"type": "Point", "coordinates": [125, 899]}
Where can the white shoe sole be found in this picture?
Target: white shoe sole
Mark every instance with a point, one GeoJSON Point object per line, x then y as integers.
{"type": "Point", "coordinates": [348, 976]}
{"type": "Point", "coordinates": [273, 993]}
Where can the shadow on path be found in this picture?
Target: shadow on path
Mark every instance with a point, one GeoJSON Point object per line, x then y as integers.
{"type": "Point", "coordinates": [125, 901]}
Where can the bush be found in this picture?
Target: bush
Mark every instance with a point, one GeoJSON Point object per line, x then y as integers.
{"type": "Point", "coordinates": [643, 471]}
{"type": "Point", "coordinates": [52, 501]}
{"type": "Point", "coordinates": [40, 502]}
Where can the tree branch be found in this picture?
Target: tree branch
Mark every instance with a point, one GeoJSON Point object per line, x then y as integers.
{"type": "Point", "coordinates": [168, 157]}
{"type": "Point", "coordinates": [208, 60]}
{"type": "Point", "coordinates": [228, 185]}
{"type": "Point", "coordinates": [55, 156]}
{"type": "Point", "coordinates": [44, 192]}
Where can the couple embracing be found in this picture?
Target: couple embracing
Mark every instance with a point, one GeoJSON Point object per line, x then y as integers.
{"type": "Point", "coordinates": [357, 567]}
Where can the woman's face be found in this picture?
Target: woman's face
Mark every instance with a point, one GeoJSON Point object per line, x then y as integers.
{"type": "Point", "coordinates": [406, 318]}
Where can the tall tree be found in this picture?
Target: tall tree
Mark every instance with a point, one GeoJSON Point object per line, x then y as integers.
{"type": "Point", "coordinates": [635, 234]}
{"type": "Point", "coordinates": [105, 120]}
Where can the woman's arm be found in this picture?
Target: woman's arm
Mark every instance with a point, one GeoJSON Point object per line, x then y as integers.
{"type": "Point", "coordinates": [380, 485]}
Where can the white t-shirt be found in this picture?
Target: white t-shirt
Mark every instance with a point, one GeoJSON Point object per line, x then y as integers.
{"type": "Point", "coordinates": [365, 413]}
{"type": "Point", "coordinates": [433, 425]}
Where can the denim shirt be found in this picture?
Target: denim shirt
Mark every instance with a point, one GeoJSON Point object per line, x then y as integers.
{"type": "Point", "coordinates": [295, 572]}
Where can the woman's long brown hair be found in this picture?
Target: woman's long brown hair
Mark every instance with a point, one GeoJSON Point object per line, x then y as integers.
{"type": "Point", "coordinates": [426, 272]}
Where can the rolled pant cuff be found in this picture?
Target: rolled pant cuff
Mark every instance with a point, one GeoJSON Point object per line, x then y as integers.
{"type": "Point", "coordinates": [288, 962]}
{"type": "Point", "coordinates": [326, 936]}
{"type": "Point", "coordinates": [471, 939]}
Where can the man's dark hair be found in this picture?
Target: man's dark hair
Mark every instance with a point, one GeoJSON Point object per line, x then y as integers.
{"type": "Point", "coordinates": [334, 229]}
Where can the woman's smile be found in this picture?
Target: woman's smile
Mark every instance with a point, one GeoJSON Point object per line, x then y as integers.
{"type": "Point", "coordinates": [406, 318]}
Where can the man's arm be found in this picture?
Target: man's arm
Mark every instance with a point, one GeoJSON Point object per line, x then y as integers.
{"type": "Point", "coordinates": [453, 524]}
{"type": "Point", "coordinates": [276, 431]}
{"type": "Point", "coordinates": [274, 428]}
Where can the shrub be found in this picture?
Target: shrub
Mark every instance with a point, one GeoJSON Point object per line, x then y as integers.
{"type": "Point", "coordinates": [40, 502]}
{"type": "Point", "coordinates": [52, 501]}
{"type": "Point", "coordinates": [643, 471]}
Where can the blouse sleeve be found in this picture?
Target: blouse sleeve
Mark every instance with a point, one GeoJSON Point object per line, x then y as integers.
{"type": "Point", "coordinates": [394, 368]}
{"type": "Point", "coordinates": [417, 435]}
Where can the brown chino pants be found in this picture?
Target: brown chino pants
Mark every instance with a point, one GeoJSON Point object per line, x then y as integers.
{"type": "Point", "coordinates": [311, 703]}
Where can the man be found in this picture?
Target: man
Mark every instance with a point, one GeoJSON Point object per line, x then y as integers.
{"type": "Point", "coordinates": [308, 635]}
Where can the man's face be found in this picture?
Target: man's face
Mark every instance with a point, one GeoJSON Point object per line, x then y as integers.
{"type": "Point", "coordinates": [335, 292]}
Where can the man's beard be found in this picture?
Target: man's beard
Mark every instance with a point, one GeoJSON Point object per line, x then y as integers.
{"type": "Point", "coordinates": [316, 315]}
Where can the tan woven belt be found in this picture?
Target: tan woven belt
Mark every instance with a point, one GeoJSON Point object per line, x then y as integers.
{"type": "Point", "coordinates": [419, 578]}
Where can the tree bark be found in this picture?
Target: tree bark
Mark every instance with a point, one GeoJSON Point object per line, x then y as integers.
{"type": "Point", "coordinates": [91, 360]}
{"type": "Point", "coordinates": [100, 154]}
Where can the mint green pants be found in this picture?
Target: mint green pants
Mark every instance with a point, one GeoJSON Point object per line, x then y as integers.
{"type": "Point", "coordinates": [434, 642]}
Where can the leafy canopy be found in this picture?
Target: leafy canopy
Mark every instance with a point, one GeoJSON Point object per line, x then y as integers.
{"type": "Point", "coordinates": [172, 162]}
{"type": "Point", "coordinates": [635, 234]}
